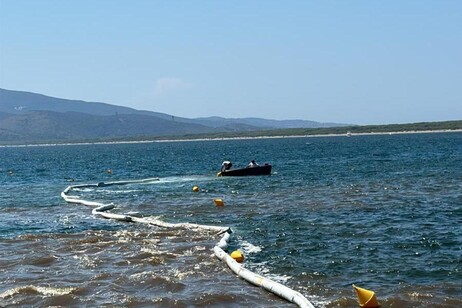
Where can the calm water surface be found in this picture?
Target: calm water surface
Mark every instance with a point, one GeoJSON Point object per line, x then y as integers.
{"type": "Point", "coordinates": [381, 212]}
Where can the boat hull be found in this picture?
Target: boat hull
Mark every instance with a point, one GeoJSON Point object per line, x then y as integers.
{"type": "Point", "coordinates": [256, 170]}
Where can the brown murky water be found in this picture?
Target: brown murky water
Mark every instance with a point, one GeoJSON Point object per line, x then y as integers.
{"type": "Point", "coordinates": [136, 267]}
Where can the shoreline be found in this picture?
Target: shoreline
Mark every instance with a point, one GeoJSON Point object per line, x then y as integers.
{"type": "Point", "coordinates": [347, 135]}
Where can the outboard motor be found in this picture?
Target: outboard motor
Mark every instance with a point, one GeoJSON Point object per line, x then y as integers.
{"type": "Point", "coordinates": [226, 165]}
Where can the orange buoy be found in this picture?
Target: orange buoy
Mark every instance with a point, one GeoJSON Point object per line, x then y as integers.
{"type": "Point", "coordinates": [238, 256]}
{"type": "Point", "coordinates": [195, 188]}
{"type": "Point", "coordinates": [219, 202]}
{"type": "Point", "coordinates": [366, 298]}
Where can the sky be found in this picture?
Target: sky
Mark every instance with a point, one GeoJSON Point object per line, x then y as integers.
{"type": "Point", "coordinates": [355, 62]}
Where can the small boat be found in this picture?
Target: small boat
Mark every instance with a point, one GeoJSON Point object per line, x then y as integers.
{"type": "Point", "coordinates": [252, 169]}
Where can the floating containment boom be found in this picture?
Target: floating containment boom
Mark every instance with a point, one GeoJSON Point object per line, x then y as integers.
{"type": "Point", "coordinates": [101, 210]}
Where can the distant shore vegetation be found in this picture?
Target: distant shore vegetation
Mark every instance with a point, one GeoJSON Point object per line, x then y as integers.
{"type": "Point", "coordinates": [422, 127]}
{"type": "Point", "coordinates": [343, 130]}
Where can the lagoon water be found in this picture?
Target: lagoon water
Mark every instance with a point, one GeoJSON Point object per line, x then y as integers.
{"type": "Point", "coordinates": [382, 212]}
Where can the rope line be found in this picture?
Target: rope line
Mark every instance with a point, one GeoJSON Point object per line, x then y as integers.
{"type": "Point", "coordinates": [101, 210]}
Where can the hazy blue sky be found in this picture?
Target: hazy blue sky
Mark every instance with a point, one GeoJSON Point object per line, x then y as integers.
{"type": "Point", "coordinates": [362, 62]}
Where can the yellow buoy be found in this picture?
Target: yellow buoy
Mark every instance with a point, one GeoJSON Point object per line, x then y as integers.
{"type": "Point", "coordinates": [238, 256]}
{"type": "Point", "coordinates": [219, 202]}
{"type": "Point", "coordinates": [195, 188]}
{"type": "Point", "coordinates": [366, 298]}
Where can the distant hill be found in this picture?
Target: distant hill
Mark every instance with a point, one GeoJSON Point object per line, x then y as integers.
{"type": "Point", "coordinates": [37, 126]}
{"type": "Point", "coordinates": [263, 123]}
{"type": "Point", "coordinates": [19, 102]}
{"type": "Point", "coordinates": [30, 117]}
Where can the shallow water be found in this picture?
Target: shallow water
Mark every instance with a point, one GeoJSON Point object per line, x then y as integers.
{"type": "Point", "coordinates": [382, 212]}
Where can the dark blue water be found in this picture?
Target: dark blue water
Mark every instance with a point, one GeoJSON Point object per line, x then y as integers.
{"type": "Point", "coordinates": [382, 212]}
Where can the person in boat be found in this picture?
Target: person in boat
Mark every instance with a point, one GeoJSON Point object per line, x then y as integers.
{"type": "Point", "coordinates": [252, 164]}
{"type": "Point", "coordinates": [226, 165]}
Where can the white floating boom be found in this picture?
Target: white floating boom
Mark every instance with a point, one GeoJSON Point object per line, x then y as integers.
{"type": "Point", "coordinates": [219, 249]}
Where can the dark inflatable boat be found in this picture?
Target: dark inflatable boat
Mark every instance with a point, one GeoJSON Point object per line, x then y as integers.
{"type": "Point", "coordinates": [252, 169]}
